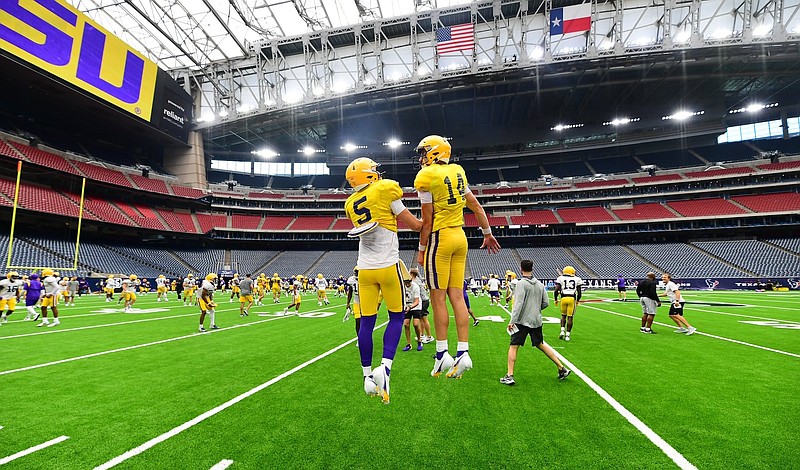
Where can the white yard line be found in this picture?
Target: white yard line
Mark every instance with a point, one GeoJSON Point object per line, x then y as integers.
{"type": "Point", "coordinates": [651, 435]}
{"type": "Point", "coordinates": [702, 333]}
{"type": "Point", "coordinates": [693, 309]}
{"type": "Point", "coordinates": [104, 325]}
{"type": "Point", "coordinates": [183, 427]}
{"type": "Point", "coordinates": [144, 345]}
{"type": "Point", "coordinates": [49, 331]}
{"type": "Point", "coordinates": [222, 464]}
{"type": "Point", "coordinates": [33, 449]}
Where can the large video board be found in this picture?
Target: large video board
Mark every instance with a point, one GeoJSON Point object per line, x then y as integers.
{"type": "Point", "coordinates": [58, 39]}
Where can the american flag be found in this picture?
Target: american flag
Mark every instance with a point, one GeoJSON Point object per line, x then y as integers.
{"type": "Point", "coordinates": [456, 38]}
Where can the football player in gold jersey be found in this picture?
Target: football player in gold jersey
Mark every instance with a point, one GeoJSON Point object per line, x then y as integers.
{"type": "Point", "coordinates": [444, 192]}
{"type": "Point", "coordinates": [374, 209]}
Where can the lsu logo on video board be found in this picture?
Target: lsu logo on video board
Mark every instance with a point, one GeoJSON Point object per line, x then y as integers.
{"type": "Point", "coordinates": [59, 39]}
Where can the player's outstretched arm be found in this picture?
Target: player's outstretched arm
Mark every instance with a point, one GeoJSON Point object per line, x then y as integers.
{"type": "Point", "coordinates": [489, 242]}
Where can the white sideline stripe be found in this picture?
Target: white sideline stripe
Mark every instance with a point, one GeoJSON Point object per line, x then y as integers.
{"type": "Point", "coordinates": [741, 315]}
{"type": "Point", "coordinates": [33, 449]}
{"type": "Point", "coordinates": [183, 427]}
{"type": "Point", "coordinates": [63, 315]}
{"type": "Point", "coordinates": [703, 334]}
{"type": "Point", "coordinates": [651, 435]}
{"type": "Point", "coordinates": [222, 464]}
{"type": "Point", "coordinates": [137, 346]}
{"type": "Point", "coordinates": [104, 325]}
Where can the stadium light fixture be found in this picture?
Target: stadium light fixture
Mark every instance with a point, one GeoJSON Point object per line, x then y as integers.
{"type": "Point", "coordinates": [753, 108]}
{"type": "Point", "coordinates": [318, 91]}
{"type": "Point", "coordinates": [394, 143]}
{"type": "Point", "coordinates": [265, 153]}
{"type": "Point", "coordinates": [223, 113]}
{"type": "Point", "coordinates": [606, 44]}
{"type": "Point", "coordinates": [621, 121]}
{"type": "Point", "coordinates": [721, 34]}
{"type": "Point", "coordinates": [292, 98]}
{"type": "Point", "coordinates": [348, 147]}
{"type": "Point", "coordinates": [682, 115]}
{"type": "Point", "coordinates": [206, 118]}
{"type": "Point", "coordinates": [762, 30]}
{"type": "Point", "coordinates": [682, 36]}
{"type": "Point", "coordinates": [537, 53]}
{"type": "Point", "coordinates": [562, 127]}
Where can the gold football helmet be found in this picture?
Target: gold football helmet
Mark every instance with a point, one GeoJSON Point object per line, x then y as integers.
{"type": "Point", "coordinates": [433, 149]}
{"type": "Point", "coordinates": [362, 172]}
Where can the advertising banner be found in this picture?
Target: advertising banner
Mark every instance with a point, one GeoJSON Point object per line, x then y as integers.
{"type": "Point", "coordinates": [59, 39]}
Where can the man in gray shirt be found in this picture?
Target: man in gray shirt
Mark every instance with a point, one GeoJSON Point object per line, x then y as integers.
{"type": "Point", "coordinates": [245, 295]}
{"type": "Point", "coordinates": [530, 298]}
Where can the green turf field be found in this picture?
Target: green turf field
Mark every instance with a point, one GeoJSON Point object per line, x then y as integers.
{"type": "Point", "coordinates": [726, 397]}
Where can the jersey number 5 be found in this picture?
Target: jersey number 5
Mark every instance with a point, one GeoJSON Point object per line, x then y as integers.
{"type": "Point", "coordinates": [364, 212]}
{"type": "Point", "coordinates": [459, 188]}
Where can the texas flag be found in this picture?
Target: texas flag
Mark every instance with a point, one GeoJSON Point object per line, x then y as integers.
{"type": "Point", "coordinates": [574, 19]}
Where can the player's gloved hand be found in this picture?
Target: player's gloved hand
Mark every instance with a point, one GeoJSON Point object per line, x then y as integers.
{"type": "Point", "coordinates": [346, 315]}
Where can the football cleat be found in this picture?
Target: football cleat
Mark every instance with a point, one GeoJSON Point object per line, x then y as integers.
{"type": "Point", "coordinates": [463, 363]}
{"type": "Point", "coordinates": [475, 323]}
{"type": "Point", "coordinates": [561, 335]}
{"type": "Point", "coordinates": [55, 323]}
{"type": "Point", "coordinates": [407, 348]}
{"type": "Point", "coordinates": [443, 364]}
{"type": "Point", "coordinates": [564, 373]}
{"type": "Point", "coordinates": [507, 380]}
{"type": "Point", "coordinates": [419, 346]}
{"type": "Point", "coordinates": [202, 330]}
{"type": "Point", "coordinates": [691, 331]}
{"type": "Point", "coordinates": [381, 377]}
{"type": "Point", "coordinates": [214, 327]}
{"type": "Point", "coordinates": [566, 338]}
{"type": "Point", "coordinates": [370, 387]}
{"type": "Point", "coordinates": [680, 330]}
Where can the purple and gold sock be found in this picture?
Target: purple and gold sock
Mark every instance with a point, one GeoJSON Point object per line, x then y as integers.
{"type": "Point", "coordinates": [391, 337]}
{"type": "Point", "coordinates": [365, 339]}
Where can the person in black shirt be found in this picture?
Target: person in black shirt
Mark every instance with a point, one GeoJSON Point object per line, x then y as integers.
{"type": "Point", "coordinates": [648, 297]}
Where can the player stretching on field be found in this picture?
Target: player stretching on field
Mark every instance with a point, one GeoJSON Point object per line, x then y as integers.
{"type": "Point", "coordinates": [50, 298]}
{"type": "Point", "coordinates": [443, 192]}
{"type": "Point", "coordinates": [206, 301]}
{"type": "Point", "coordinates": [161, 288]}
{"type": "Point", "coordinates": [676, 305]}
{"type": "Point", "coordinates": [296, 299]}
{"type": "Point", "coordinates": [9, 295]}
{"type": "Point", "coordinates": [374, 209]}
{"type": "Point", "coordinates": [235, 287]}
{"type": "Point", "coordinates": [568, 285]}
{"type": "Point", "coordinates": [493, 284]}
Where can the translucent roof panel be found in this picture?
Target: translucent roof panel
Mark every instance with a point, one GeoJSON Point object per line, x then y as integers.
{"type": "Point", "coordinates": [193, 33]}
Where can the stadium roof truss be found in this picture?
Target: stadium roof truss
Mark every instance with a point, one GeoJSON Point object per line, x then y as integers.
{"type": "Point", "coordinates": [252, 57]}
